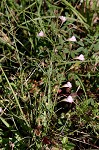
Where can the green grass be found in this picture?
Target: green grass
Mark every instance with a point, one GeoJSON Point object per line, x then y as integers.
{"type": "Point", "coordinates": [33, 68]}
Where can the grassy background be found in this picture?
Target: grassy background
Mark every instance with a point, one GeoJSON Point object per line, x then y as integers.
{"type": "Point", "coordinates": [32, 70]}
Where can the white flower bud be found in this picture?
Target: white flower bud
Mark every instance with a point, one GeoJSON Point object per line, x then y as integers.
{"type": "Point", "coordinates": [68, 84]}
{"type": "Point", "coordinates": [62, 18]}
{"type": "Point", "coordinates": [72, 39]}
{"type": "Point", "coordinates": [80, 57]}
{"type": "Point", "coordinates": [69, 99]}
{"type": "Point", "coordinates": [41, 34]}
{"type": "Point", "coordinates": [1, 110]}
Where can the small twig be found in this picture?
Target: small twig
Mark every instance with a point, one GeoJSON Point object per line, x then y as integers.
{"type": "Point", "coordinates": [83, 142]}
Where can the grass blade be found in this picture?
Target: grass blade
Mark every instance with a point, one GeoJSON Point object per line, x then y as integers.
{"type": "Point", "coordinates": [16, 99]}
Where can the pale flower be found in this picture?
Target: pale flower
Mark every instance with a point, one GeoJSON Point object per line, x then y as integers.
{"type": "Point", "coordinates": [80, 57]}
{"type": "Point", "coordinates": [62, 18]}
{"type": "Point", "coordinates": [11, 144]}
{"type": "Point", "coordinates": [68, 84]}
{"type": "Point", "coordinates": [41, 34]}
{"type": "Point", "coordinates": [72, 39]}
{"type": "Point", "coordinates": [1, 110]}
{"type": "Point", "coordinates": [69, 99]}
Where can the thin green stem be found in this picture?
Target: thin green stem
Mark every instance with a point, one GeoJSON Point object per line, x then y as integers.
{"type": "Point", "coordinates": [16, 99]}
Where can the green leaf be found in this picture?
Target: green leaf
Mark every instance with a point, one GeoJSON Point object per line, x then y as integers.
{"type": "Point", "coordinates": [91, 101]}
{"type": "Point", "coordinates": [80, 43]}
{"type": "Point", "coordinates": [80, 49]}
{"type": "Point", "coordinates": [65, 140]}
{"type": "Point", "coordinates": [66, 50]}
{"type": "Point", "coordinates": [5, 122]}
{"type": "Point", "coordinates": [70, 146]}
{"type": "Point", "coordinates": [96, 46]}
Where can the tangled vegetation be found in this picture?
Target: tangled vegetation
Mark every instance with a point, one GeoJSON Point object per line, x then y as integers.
{"type": "Point", "coordinates": [49, 70]}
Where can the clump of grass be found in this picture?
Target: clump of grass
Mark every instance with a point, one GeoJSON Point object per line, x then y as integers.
{"type": "Point", "coordinates": [44, 44]}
